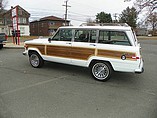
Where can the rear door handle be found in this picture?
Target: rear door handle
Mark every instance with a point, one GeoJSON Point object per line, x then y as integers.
{"type": "Point", "coordinates": [92, 45]}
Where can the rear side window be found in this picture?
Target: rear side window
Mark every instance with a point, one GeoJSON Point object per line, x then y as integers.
{"type": "Point", "coordinates": [82, 35]}
{"type": "Point", "coordinates": [113, 37]}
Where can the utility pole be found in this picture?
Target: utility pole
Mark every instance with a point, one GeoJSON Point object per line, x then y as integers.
{"type": "Point", "coordinates": [115, 16]}
{"type": "Point", "coordinates": [66, 11]}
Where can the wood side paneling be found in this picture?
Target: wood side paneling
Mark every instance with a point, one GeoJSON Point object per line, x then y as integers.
{"type": "Point", "coordinates": [81, 53]}
{"type": "Point", "coordinates": [70, 52]}
{"type": "Point", "coordinates": [60, 51]}
{"type": "Point", "coordinates": [115, 54]}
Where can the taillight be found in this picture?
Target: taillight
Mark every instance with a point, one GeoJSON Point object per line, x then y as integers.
{"type": "Point", "coordinates": [6, 37]}
{"type": "Point", "coordinates": [135, 57]}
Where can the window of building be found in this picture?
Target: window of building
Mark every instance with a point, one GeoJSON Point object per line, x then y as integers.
{"type": "Point", "coordinates": [52, 23]}
{"type": "Point", "coordinates": [42, 24]}
{"type": "Point", "coordinates": [51, 32]}
{"type": "Point", "coordinates": [1, 21]}
{"type": "Point", "coordinates": [33, 25]}
{"type": "Point", "coordinates": [2, 29]}
{"type": "Point", "coordinates": [63, 24]}
{"type": "Point", "coordinates": [20, 12]}
{"type": "Point", "coordinates": [22, 30]}
{"type": "Point", "coordinates": [22, 20]}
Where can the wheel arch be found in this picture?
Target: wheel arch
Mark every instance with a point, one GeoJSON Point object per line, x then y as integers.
{"type": "Point", "coordinates": [33, 50]}
{"type": "Point", "coordinates": [96, 60]}
{"type": "Point", "coordinates": [39, 60]}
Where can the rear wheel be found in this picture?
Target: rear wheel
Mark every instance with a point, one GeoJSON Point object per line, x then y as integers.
{"type": "Point", "coordinates": [35, 60]}
{"type": "Point", "coordinates": [101, 71]}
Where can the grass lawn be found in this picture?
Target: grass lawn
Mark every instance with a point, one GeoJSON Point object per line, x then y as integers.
{"type": "Point", "coordinates": [147, 37]}
{"type": "Point", "coordinates": [24, 38]}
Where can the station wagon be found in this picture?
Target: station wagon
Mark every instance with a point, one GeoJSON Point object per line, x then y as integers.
{"type": "Point", "coordinates": [104, 49]}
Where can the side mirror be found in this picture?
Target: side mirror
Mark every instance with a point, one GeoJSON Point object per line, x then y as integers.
{"type": "Point", "coordinates": [49, 40]}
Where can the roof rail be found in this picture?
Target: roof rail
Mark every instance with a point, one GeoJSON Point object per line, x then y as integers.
{"type": "Point", "coordinates": [105, 24]}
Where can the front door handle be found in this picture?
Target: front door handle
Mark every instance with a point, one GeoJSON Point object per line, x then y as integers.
{"type": "Point", "coordinates": [68, 43]}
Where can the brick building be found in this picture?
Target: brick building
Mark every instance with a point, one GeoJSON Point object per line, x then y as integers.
{"type": "Point", "coordinates": [23, 21]}
{"type": "Point", "coordinates": [46, 26]}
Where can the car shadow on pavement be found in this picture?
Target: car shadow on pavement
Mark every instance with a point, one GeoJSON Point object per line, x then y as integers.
{"type": "Point", "coordinates": [83, 74]}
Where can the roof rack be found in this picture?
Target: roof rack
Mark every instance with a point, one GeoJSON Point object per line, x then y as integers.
{"type": "Point", "coordinates": [105, 24]}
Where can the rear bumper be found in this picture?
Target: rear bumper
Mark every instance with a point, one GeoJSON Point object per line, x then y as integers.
{"type": "Point", "coordinates": [141, 68]}
{"type": "Point", "coordinates": [139, 71]}
{"type": "Point", "coordinates": [3, 42]}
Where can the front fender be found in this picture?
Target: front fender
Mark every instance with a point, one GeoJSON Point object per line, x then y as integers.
{"type": "Point", "coordinates": [34, 49]}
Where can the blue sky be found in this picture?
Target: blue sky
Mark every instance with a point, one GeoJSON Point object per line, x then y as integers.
{"type": "Point", "coordinates": [78, 13]}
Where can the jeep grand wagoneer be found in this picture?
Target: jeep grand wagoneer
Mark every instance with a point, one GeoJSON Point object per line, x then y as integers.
{"type": "Point", "coordinates": [103, 49]}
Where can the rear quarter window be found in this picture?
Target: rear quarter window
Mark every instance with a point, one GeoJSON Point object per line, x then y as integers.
{"type": "Point", "coordinates": [113, 37]}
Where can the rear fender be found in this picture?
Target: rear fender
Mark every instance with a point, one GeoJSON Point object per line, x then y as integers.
{"type": "Point", "coordinates": [96, 59]}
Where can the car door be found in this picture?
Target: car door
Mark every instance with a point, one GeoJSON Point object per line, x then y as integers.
{"type": "Point", "coordinates": [83, 46]}
{"type": "Point", "coordinates": [58, 49]}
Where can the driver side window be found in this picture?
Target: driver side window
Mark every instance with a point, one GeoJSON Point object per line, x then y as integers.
{"type": "Point", "coordinates": [63, 35]}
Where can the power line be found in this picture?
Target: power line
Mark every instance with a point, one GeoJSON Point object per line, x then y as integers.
{"type": "Point", "coordinates": [37, 13]}
{"type": "Point", "coordinates": [81, 14]}
{"type": "Point", "coordinates": [78, 20]}
{"type": "Point", "coordinates": [91, 7]}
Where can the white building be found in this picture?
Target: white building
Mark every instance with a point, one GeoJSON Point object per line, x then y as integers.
{"type": "Point", "coordinates": [6, 21]}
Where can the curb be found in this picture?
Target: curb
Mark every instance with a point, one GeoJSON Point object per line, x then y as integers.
{"type": "Point", "coordinates": [12, 47]}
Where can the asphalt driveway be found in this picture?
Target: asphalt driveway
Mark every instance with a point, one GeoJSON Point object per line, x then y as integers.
{"type": "Point", "coordinates": [63, 91]}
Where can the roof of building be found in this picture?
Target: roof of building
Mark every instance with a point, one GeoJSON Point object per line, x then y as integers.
{"type": "Point", "coordinates": [18, 7]}
{"type": "Point", "coordinates": [52, 18]}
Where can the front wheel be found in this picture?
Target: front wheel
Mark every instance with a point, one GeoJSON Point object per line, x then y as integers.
{"type": "Point", "coordinates": [35, 60]}
{"type": "Point", "coordinates": [101, 71]}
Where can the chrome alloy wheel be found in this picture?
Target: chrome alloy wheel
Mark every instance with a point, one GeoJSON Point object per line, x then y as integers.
{"type": "Point", "coordinates": [100, 71]}
{"type": "Point", "coordinates": [34, 60]}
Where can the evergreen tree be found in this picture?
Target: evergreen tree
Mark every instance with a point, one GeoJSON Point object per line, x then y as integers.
{"type": "Point", "coordinates": [103, 18]}
{"type": "Point", "coordinates": [129, 16]}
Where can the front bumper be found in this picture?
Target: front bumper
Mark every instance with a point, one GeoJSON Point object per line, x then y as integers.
{"type": "Point", "coordinates": [25, 53]}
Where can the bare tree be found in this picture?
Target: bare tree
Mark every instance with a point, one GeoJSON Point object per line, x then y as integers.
{"type": "Point", "coordinates": [152, 21]}
{"type": "Point", "coordinates": [149, 5]}
{"type": "Point", "coordinates": [89, 20]}
{"type": "Point", "coordinates": [3, 4]}
{"type": "Point", "coordinates": [146, 6]}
